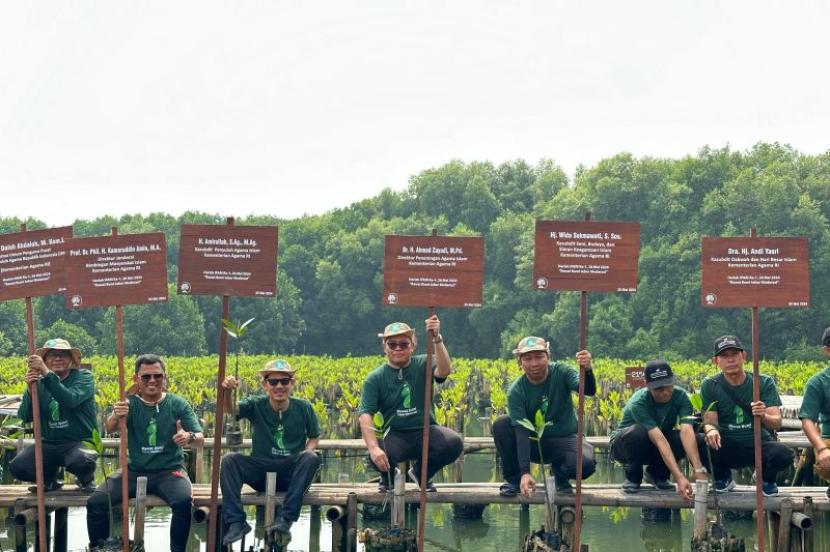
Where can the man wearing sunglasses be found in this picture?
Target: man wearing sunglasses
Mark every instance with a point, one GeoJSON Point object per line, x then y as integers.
{"type": "Point", "coordinates": [67, 416]}
{"type": "Point", "coordinates": [159, 425]}
{"type": "Point", "coordinates": [285, 433]}
{"type": "Point", "coordinates": [396, 390]}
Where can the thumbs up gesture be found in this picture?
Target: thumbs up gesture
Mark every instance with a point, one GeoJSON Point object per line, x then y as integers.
{"type": "Point", "coordinates": [181, 437]}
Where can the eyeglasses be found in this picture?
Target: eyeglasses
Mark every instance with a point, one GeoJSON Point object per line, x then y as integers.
{"type": "Point", "coordinates": [273, 382]}
{"type": "Point", "coordinates": [57, 354]}
{"type": "Point", "coordinates": [395, 345]}
{"type": "Point", "coordinates": [148, 377]}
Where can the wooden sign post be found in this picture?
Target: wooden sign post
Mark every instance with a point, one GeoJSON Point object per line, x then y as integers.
{"type": "Point", "coordinates": [117, 270]}
{"type": "Point", "coordinates": [432, 271]}
{"type": "Point", "coordinates": [225, 260]}
{"type": "Point", "coordinates": [30, 267]}
{"type": "Point", "coordinates": [585, 256]}
{"type": "Point", "coordinates": [755, 272]}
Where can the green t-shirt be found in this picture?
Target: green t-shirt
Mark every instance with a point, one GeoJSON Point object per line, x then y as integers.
{"type": "Point", "coordinates": [816, 403]}
{"type": "Point", "coordinates": [398, 394]}
{"type": "Point", "coordinates": [279, 433]}
{"type": "Point", "coordinates": [150, 431]}
{"type": "Point", "coordinates": [552, 397]}
{"type": "Point", "coordinates": [642, 409]}
{"type": "Point", "coordinates": [735, 422]}
{"type": "Point", "coordinates": [67, 407]}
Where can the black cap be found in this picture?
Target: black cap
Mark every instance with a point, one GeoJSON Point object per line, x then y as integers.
{"type": "Point", "coordinates": [825, 337]}
{"type": "Point", "coordinates": [725, 342]}
{"type": "Point", "coordinates": [658, 374]}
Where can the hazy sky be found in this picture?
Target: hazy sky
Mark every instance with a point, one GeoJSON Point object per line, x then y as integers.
{"type": "Point", "coordinates": [287, 108]}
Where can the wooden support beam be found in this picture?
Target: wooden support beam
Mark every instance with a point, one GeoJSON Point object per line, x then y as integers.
{"type": "Point", "coordinates": [140, 509]}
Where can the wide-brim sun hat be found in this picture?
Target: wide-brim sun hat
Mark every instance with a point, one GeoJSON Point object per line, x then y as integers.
{"type": "Point", "coordinates": [397, 328]}
{"type": "Point", "coordinates": [531, 343]}
{"type": "Point", "coordinates": [58, 344]}
{"type": "Point", "coordinates": [277, 366]}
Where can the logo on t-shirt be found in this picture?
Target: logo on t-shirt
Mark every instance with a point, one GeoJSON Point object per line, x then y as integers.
{"type": "Point", "coordinates": [544, 407]}
{"type": "Point", "coordinates": [279, 442]}
{"type": "Point", "coordinates": [152, 438]}
{"type": "Point", "coordinates": [55, 421]}
{"type": "Point", "coordinates": [406, 408]}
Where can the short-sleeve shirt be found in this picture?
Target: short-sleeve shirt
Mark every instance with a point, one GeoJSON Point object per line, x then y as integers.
{"type": "Point", "coordinates": [816, 403]}
{"type": "Point", "coordinates": [552, 397]}
{"type": "Point", "coordinates": [279, 434]}
{"type": "Point", "coordinates": [67, 407]}
{"type": "Point", "coordinates": [150, 431]}
{"type": "Point", "coordinates": [735, 422]}
{"type": "Point", "coordinates": [642, 409]}
{"type": "Point", "coordinates": [398, 394]}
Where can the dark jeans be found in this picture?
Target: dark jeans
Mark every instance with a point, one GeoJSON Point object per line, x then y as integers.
{"type": "Point", "coordinates": [172, 486]}
{"type": "Point", "coordinates": [55, 455]}
{"type": "Point", "coordinates": [294, 476]}
{"type": "Point", "coordinates": [445, 445]}
{"type": "Point", "coordinates": [559, 452]}
{"type": "Point", "coordinates": [775, 457]}
{"type": "Point", "coordinates": [633, 448]}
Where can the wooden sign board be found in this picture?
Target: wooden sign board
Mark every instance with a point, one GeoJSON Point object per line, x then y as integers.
{"type": "Point", "coordinates": [228, 260]}
{"type": "Point", "coordinates": [586, 255]}
{"type": "Point", "coordinates": [755, 272]}
{"type": "Point", "coordinates": [30, 262]}
{"type": "Point", "coordinates": [127, 269]}
{"type": "Point", "coordinates": [433, 271]}
{"type": "Point", "coordinates": [635, 377]}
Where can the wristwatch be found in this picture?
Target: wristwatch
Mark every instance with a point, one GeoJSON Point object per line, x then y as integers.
{"type": "Point", "coordinates": [191, 437]}
{"type": "Point", "coordinates": [701, 469]}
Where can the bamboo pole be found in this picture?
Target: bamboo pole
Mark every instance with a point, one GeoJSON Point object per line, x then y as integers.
{"type": "Point", "coordinates": [701, 525]}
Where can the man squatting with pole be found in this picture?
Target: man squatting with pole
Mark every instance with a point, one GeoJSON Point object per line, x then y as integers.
{"type": "Point", "coordinates": [159, 424]}
{"type": "Point", "coordinates": [815, 410]}
{"type": "Point", "coordinates": [396, 390]}
{"type": "Point", "coordinates": [285, 433]}
{"type": "Point", "coordinates": [647, 434]}
{"type": "Point", "coordinates": [68, 416]}
{"type": "Point", "coordinates": [545, 386]}
{"type": "Point", "coordinates": [727, 426]}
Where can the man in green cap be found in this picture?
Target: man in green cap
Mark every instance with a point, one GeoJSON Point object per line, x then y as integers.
{"type": "Point", "coordinates": [396, 390]}
{"type": "Point", "coordinates": [285, 433]}
{"type": "Point", "coordinates": [815, 414]}
{"type": "Point", "coordinates": [68, 416]}
{"type": "Point", "coordinates": [159, 424]}
{"type": "Point", "coordinates": [544, 387]}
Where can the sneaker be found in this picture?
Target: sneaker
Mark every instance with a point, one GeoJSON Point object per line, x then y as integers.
{"type": "Point", "coordinates": [430, 486]}
{"type": "Point", "coordinates": [724, 485]}
{"type": "Point", "coordinates": [630, 487]}
{"type": "Point", "coordinates": [661, 484]}
{"type": "Point", "coordinates": [509, 490]}
{"type": "Point", "coordinates": [769, 489]}
{"type": "Point", "coordinates": [562, 485]}
{"type": "Point", "coordinates": [282, 525]}
{"type": "Point", "coordinates": [236, 531]}
{"type": "Point", "coordinates": [53, 485]}
{"type": "Point", "coordinates": [86, 486]}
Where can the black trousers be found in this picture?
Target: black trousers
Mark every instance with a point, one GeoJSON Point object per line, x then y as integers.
{"type": "Point", "coordinates": [633, 448]}
{"type": "Point", "coordinates": [775, 457]}
{"type": "Point", "coordinates": [445, 445]}
{"type": "Point", "coordinates": [172, 486]}
{"type": "Point", "coordinates": [55, 455]}
{"type": "Point", "coordinates": [559, 452]}
{"type": "Point", "coordinates": [294, 476]}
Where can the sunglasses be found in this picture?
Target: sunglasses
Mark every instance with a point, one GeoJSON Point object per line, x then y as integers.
{"type": "Point", "coordinates": [57, 354]}
{"type": "Point", "coordinates": [395, 345]}
{"type": "Point", "coordinates": [148, 377]}
{"type": "Point", "coordinates": [273, 382]}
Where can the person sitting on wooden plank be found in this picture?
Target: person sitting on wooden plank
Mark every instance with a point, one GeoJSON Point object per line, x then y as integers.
{"type": "Point", "coordinates": [545, 386]}
{"type": "Point", "coordinates": [68, 417]}
{"type": "Point", "coordinates": [396, 390]}
{"type": "Point", "coordinates": [159, 424]}
{"type": "Point", "coordinates": [727, 425]}
{"type": "Point", "coordinates": [648, 435]}
{"type": "Point", "coordinates": [815, 411]}
{"type": "Point", "coordinates": [285, 433]}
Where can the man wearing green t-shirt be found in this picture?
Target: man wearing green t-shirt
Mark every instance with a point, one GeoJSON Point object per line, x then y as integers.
{"type": "Point", "coordinates": [159, 424]}
{"type": "Point", "coordinates": [285, 433]}
{"type": "Point", "coordinates": [728, 424]}
{"type": "Point", "coordinates": [647, 434]}
{"type": "Point", "coordinates": [67, 416]}
{"type": "Point", "coordinates": [396, 390]}
{"type": "Point", "coordinates": [545, 386]}
{"type": "Point", "coordinates": [815, 414]}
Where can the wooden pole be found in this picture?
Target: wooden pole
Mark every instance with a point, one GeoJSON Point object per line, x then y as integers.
{"type": "Point", "coordinates": [35, 400]}
{"type": "Point", "coordinates": [140, 509]}
{"type": "Point", "coordinates": [701, 525]}
{"type": "Point", "coordinates": [422, 504]}
{"type": "Point", "coordinates": [580, 412]}
{"type": "Point", "coordinates": [122, 425]}
{"type": "Point", "coordinates": [783, 525]}
{"type": "Point", "coordinates": [270, 508]}
{"type": "Point", "coordinates": [756, 393]}
{"type": "Point", "coordinates": [218, 422]}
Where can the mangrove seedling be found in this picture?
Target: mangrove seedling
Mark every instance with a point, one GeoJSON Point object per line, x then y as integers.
{"type": "Point", "coordinates": [233, 436]}
{"type": "Point", "coordinates": [537, 428]}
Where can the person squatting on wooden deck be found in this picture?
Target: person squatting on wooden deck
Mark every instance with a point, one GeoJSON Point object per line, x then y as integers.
{"type": "Point", "coordinates": [159, 424]}
{"type": "Point", "coordinates": [815, 410]}
{"type": "Point", "coordinates": [545, 386]}
{"type": "Point", "coordinates": [285, 434]}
